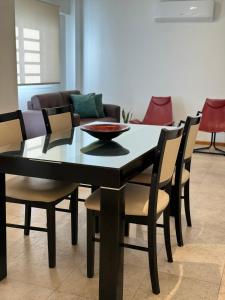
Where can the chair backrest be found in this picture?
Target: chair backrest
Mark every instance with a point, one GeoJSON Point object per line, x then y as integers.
{"type": "Point", "coordinates": [57, 139]}
{"type": "Point", "coordinates": [12, 130]}
{"type": "Point", "coordinates": [164, 164]}
{"type": "Point", "coordinates": [159, 111]}
{"type": "Point", "coordinates": [213, 116]}
{"type": "Point", "coordinates": [189, 136]}
{"type": "Point", "coordinates": [187, 146]}
{"type": "Point", "coordinates": [58, 118]}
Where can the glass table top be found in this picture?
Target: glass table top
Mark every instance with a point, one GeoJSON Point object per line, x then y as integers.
{"type": "Point", "coordinates": [78, 147]}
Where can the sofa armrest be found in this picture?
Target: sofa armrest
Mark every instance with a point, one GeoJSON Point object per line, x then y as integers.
{"type": "Point", "coordinates": [29, 105]}
{"type": "Point", "coordinates": [112, 111]}
{"type": "Point", "coordinates": [34, 123]}
{"type": "Point", "coordinates": [135, 121]}
{"type": "Point", "coordinates": [76, 119]}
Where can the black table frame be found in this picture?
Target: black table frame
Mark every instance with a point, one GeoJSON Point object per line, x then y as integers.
{"type": "Point", "coordinates": [112, 182]}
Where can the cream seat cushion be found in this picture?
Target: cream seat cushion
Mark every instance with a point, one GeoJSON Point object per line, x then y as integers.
{"type": "Point", "coordinates": [185, 177]}
{"type": "Point", "coordinates": [145, 177]}
{"type": "Point", "coordinates": [136, 200]}
{"type": "Point", "coordinates": [37, 189]}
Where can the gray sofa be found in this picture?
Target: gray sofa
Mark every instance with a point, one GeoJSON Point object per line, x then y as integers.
{"type": "Point", "coordinates": [33, 119]}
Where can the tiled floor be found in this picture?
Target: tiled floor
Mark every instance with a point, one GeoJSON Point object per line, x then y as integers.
{"type": "Point", "coordinates": [196, 273]}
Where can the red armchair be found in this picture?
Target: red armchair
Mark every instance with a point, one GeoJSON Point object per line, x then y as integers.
{"type": "Point", "coordinates": [159, 112]}
{"type": "Point", "coordinates": [212, 121]}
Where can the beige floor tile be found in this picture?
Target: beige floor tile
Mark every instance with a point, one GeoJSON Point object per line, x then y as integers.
{"type": "Point", "coordinates": [65, 296]}
{"type": "Point", "coordinates": [197, 271]}
{"type": "Point", "coordinates": [17, 290]}
{"type": "Point", "coordinates": [178, 288]}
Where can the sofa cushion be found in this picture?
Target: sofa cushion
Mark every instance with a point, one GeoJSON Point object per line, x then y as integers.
{"type": "Point", "coordinates": [47, 101]}
{"type": "Point", "coordinates": [99, 105]}
{"type": "Point", "coordinates": [85, 105]}
{"type": "Point", "coordinates": [66, 95]}
{"type": "Point", "coordinates": [90, 120]}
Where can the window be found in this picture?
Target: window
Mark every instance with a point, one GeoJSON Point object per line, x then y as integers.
{"type": "Point", "coordinates": [37, 42]}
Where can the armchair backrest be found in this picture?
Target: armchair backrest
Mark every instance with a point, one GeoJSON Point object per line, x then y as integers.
{"type": "Point", "coordinates": [159, 111]}
{"type": "Point", "coordinates": [213, 116]}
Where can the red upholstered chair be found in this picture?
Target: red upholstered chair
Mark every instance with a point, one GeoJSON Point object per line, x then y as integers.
{"type": "Point", "coordinates": [159, 112]}
{"type": "Point", "coordinates": [212, 121]}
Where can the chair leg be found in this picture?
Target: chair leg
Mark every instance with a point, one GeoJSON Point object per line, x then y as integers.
{"type": "Point", "coordinates": [27, 218]}
{"type": "Point", "coordinates": [74, 216]}
{"type": "Point", "coordinates": [90, 243]}
{"type": "Point", "coordinates": [215, 147]}
{"type": "Point", "coordinates": [97, 224]}
{"type": "Point", "coordinates": [166, 222]}
{"type": "Point", "coordinates": [187, 203]}
{"type": "Point", "coordinates": [51, 236]}
{"type": "Point", "coordinates": [207, 147]}
{"type": "Point", "coordinates": [177, 215]}
{"type": "Point", "coordinates": [127, 228]}
{"type": "Point", "coordinates": [152, 258]}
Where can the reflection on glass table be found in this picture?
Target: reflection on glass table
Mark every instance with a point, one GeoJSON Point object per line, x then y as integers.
{"type": "Point", "coordinates": [12, 149]}
{"type": "Point", "coordinates": [104, 148]}
{"type": "Point", "coordinates": [57, 139]}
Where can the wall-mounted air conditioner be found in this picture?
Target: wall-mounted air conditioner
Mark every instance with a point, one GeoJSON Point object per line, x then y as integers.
{"type": "Point", "coordinates": [184, 10]}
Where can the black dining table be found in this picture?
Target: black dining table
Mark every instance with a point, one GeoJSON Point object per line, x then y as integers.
{"type": "Point", "coordinates": [84, 159]}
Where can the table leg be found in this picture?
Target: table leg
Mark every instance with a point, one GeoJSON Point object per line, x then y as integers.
{"type": "Point", "coordinates": [111, 252]}
{"type": "Point", "coordinates": [3, 253]}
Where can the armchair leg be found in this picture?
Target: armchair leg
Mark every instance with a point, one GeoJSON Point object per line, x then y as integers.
{"type": "Point", "coordinates": [27, 218]}
{"type": "Point", "coordinates": [212, 144]}
{"type": "Point", "coordinates": [198, 150]}
{"type": "Point", "coordinates": [74, 216]}
{"type": "Point", "coordinates": [222, 152]}
{"type": "Point", "coordinates": [51, 236]}
{"type": "Point", "coordinates": [91, 218]}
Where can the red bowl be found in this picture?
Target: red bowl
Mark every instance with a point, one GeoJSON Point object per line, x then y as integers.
{"type": "Point", "coordinates": [105, 131]}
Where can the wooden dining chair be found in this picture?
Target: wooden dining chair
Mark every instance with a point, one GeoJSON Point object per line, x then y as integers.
{"type": "Point", "coordinates": [144, 205]}
{"type": "Point", "coordinates": [61, 119]}
{"type": "Point", "coordinates": [181, 179]}
{"type": "Point", "coordinates": [36, 192]}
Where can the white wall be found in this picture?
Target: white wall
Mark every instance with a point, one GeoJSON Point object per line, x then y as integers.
{"type": "Point", "coordinates": [8, 85]}
{"type": "Point", "coordinates": [129, 57]}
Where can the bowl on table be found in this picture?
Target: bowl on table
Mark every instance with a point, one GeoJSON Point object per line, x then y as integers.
{"type": "Point", "coordinates": [106, 131]}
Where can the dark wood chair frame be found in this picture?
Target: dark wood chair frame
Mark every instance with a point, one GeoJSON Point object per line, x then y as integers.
{"type": "Point", "coordinates": [150, 220]}
{"type": "Point", "coordinates": [49, 206]}
{"type": "Point", "coordinates": [59, 110]}
{"type": "Point", "coordinates": [177, 195]}
{"type": "Point", "coordinates": [176, 204]}
{"type": "Point", "coordinates": [56, 111]}
{"type": "Point", "coordinates": [48, 144]}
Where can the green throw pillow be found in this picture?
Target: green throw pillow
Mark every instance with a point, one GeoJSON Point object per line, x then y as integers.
{"type": "Point", "coordinates": [99, 106]}
{"type": "Point", "coordinates": [85, 105]}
